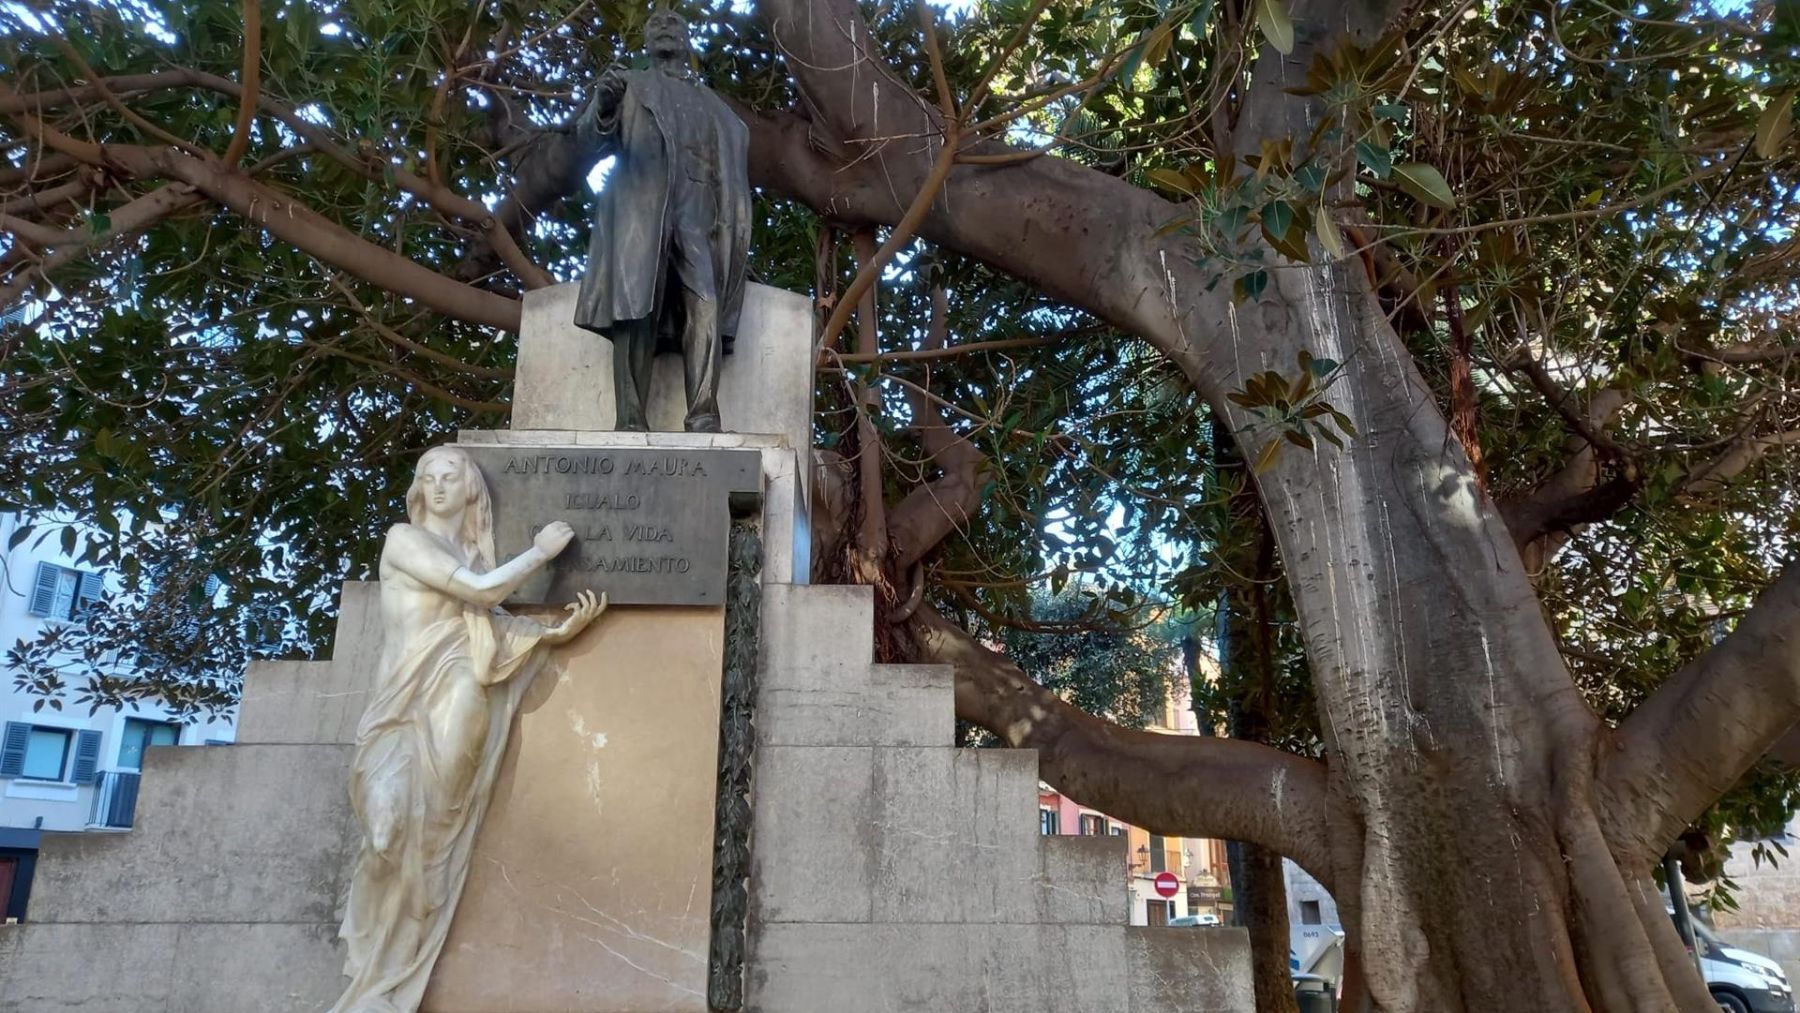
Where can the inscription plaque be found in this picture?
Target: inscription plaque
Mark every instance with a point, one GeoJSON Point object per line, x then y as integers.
{"type": "Point", "coordinates": [651, 525]}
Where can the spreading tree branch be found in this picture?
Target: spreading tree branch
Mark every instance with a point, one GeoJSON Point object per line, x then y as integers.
{"type": "Point", "coordinates": [288, 220]}
{"type": "Point", "coordinates": [1176, 785]}
{"type": "Point", "coordinates": [930, 513]}
{"type": "Point", "coordinates": [1711, 477]}
{"type": "Point", "coordinates": [493, 225]}
{"type": "Point", "coordinates": [252, 74]}
{"type": "Point", "coordinates": [1577, 493]}
{"type": "Point", "coordinates": [1709, 724]}
{"type": "Point", "coordinates": [127, 219]}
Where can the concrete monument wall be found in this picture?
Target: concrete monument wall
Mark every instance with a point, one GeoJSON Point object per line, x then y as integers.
{"type": "Point", "coordinates": [893, 871]}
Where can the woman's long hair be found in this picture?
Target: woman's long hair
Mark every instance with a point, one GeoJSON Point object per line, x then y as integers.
{"type": "Point", "coordinates": [476, 539]}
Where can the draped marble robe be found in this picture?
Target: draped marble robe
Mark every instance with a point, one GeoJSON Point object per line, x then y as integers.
{"type": "Point", "coordinates": [402, 902]}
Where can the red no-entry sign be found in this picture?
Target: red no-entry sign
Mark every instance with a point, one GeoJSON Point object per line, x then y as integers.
{"type": "Point", "coordinates": [1167, 885]}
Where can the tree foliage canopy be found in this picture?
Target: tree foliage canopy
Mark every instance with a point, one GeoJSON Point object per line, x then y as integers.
{"type": "Point", "coordinates": [263, 254]}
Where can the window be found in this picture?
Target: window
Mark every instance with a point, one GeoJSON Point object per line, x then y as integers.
{"type": "Point", "coordinates": [1309, 912]}
{"type": "Point", "coordinates": [141, 735]}
{"type": "Point", "coordinates": [46, 754]}
{"type": "Point", "coordinates": [61, 593]}
{"type": "Point", "coordinates": [1159, 854]}
{"type": "Point", "coordinates": [1093, 825]}
{"type": "Point", "coordinates": [1118, 830]}
{"type": "Point", "coordinates": [1049, 822]}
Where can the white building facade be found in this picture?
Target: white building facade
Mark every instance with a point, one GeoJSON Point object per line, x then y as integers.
{"type": "Point", "coordinates": [64, 769]}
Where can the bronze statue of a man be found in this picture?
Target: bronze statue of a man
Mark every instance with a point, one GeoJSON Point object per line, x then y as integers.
{"type": "Point", "coordinates": [666, 260]}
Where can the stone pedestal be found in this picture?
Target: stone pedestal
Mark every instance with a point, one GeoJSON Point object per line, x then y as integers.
{"type": "Point", "coordinates": [565, 381]}
{"type": "Point", "coordinates": [591, 885]}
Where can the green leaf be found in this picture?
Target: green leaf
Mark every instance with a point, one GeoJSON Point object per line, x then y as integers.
{"type": "Point", "coordinates": [1272, 18]}
{"type": "Point", "coordinates": [1159, 45]}
{"type": "Point", "coordinates": [1322, 367]}
{"type": "Point", "coordinates": [1277, 216]}
{"type": "Point", "coordinates": [1379, 160]}
{"type": "Point", "coordinates": [1775, 123]}
{"type": "Point", "coordinates": [1230, 221]}
{"type": "Point", "coordinates": [1290, 243]}
{"type": "Point", "coordinates": [1202, 17]}
{"type": "Point", "coordinates": [1170, 179]}
{"type": "Point", "coordinates": [1329, 236]}
{"type": "Point", "coordinates": [1266, 459]}
{"type": "Point", "coordinates": [1425, 184]}
{"type": "Point", "coordinates": [1254, 283]}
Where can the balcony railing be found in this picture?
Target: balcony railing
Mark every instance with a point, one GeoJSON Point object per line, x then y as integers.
{"type": "Point", "coordinates": [115, 799]}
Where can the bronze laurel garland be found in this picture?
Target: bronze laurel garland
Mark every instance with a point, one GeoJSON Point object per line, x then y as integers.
{"type": "Point", "coordinates": [737, 742]}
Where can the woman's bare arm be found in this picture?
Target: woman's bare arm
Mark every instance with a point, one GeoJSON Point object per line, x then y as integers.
{"type": "Point", "coordinates": [415, 553]}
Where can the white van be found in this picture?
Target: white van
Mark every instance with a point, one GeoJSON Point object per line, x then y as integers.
{"type": "Point", "coordinates": [1189, 921]}
{"type": "Point", "coordinates": [1741, 981]}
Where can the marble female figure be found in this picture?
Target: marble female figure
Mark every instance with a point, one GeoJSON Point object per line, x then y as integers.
{"type": "Point", "coordinates": [453, 668]}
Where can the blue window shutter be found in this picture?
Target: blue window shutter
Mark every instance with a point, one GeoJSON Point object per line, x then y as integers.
{"type": "Point", "coordinates": [93, 588]}
{"type": "Point", "coordinates": [87, 756]}
{"type": "Point", "coordinates": [43, 591]}
{"type": "Point", "coordinates": [12, 749]}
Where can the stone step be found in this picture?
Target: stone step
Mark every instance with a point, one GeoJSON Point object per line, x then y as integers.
{"type": "Point", "coordinates": [816, 634]}
{"type": "Point", "coordinates": [896, 834]}
{"type": "Point", "coordinates": [888, 705]}
{"type": "Point", "coordinates": [1029, 968]}
{"type": "Point", "coordinates": [1186, 970]}
{"type": "Point", "coordinates": [318, 701]}
{"type": "Point", "coordinates": [241, 833]}
{"type": "Point", "coordinates": [168, 967]}
{"type": "Point", "coordinates": [1082, 881]}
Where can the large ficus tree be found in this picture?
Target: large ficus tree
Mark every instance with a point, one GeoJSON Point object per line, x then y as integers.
{"type": "Point", "coordinates": [1469, 323]}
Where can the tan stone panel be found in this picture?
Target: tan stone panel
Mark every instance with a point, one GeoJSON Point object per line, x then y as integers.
{"type": "Point", "coordinates": [590, 890]}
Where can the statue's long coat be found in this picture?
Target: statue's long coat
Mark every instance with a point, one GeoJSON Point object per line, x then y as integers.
{"type": "Point", "coordinates": [660, 117]}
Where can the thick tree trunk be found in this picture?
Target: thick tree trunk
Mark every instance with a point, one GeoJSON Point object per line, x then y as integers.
{"type": "Point", "coordinates": [1483, 853]}
{"type": "Point", "coordinates": [1259, 895]}
{"type": "Point", "coordinates": [1476, 871]}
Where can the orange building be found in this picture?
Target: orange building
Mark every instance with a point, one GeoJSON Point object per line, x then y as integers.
{"type": "Point", "coordinates": [1198, 864]}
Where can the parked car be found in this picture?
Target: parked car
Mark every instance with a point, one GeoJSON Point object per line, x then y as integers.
{"type": "Point", "coordinates": [1192, 920]}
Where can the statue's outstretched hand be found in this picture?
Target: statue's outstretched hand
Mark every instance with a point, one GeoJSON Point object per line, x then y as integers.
{"type": "Point", "coordinates": [607, 93]}
{"type": "Point", "coordinates": [582, 611]}
{"type": "Point", "coordinates": [553, 538]}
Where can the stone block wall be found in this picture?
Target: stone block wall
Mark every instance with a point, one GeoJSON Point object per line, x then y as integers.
{"type": "Point", "coordinates": [893, 871]}
{"type": "Point", "coordinates": [225, 897]}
